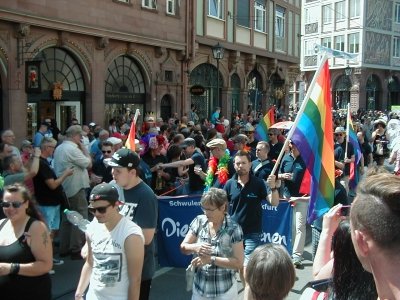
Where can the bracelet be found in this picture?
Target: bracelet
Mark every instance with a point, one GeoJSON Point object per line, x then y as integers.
{"type": "Point", "coordinates": [14, 269]}
{"type": "Point", "coordinates": [79, 295]}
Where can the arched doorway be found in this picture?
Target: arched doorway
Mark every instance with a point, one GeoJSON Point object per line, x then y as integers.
{"type": "Point", "coordinates": [165, 107]}
{"type": "Point", "coordinates": [277, 94]}
{"type": "Point", "coordinates": [125, 89]}
{"type": "Point", "coordinates": [235, 85]}
{"type": "Point", "coordinates": [373, 89]}
{"type": "Point", "coordinates": [341, 92]}
{"type": "Point", "coordinates": [394, 92]}
{"type": "Point", "coordinates": [57, 66]}
{"type": "Point", "coordinates": [254, 87]}
{"type": "Point", "coordinates": [206, 76]}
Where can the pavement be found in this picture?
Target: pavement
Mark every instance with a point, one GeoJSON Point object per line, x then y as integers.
{"type": "Point", "coordinates": [168, 283]}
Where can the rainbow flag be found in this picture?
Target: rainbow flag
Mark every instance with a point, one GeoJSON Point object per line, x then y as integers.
{"type": "Point", "coordinates": [351, 138]}
{"type": "Point", "coordinates": [313, 136]}
{"type": "Point", "coordinates": [130, 141]}
{"type": "Point", "coordinates": [261, 130]}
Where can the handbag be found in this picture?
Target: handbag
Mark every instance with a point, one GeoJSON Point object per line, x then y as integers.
{"type": "Point", "coordinates": [190, 270]}
{"type": "Point", "coordinates": [379, 149]}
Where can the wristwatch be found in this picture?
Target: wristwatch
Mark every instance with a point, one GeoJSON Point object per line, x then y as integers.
{"type": "Point", "coordinates": [213, 258]}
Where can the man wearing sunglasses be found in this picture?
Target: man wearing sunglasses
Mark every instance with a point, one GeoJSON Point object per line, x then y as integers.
{"type": "Point", "coordinates": [275, 146]}
{"type": "Point", "coordinates": [101, 172]}
{"type": "Point", "coordinates": [342, 161]}
{"type": "Point", "coordinates": [115, 250]}
{"type": "Point", "coordinates": [140, 205]}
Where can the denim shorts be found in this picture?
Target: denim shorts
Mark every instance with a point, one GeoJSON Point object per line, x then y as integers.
{"type": "Point", "coordinates": [250, 242]}
{"type": "Point", "coordinates": [51, 215]}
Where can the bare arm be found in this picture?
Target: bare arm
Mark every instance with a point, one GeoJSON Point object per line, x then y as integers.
{"type": "Point", "coordinates": [148, 234]}
{"type": "Point", "coordinates": [134, 250]}
{"type": "Point", "coordinates": [55, 183]}
{"type": "Point", "coordinates": [39, 241]}
{"type": "Point", "coordinates": [178, 163]}
{"type": "Point", "coordinates": [34, 168]}
{"type": "Point", "coordinates": [189, 245]}
{"type": "Point", "coordinates": [85, 273]}
{"type": "Point", "coordinates": [322, 266]}
{"type": "Point", "coordinates": [273, 198]}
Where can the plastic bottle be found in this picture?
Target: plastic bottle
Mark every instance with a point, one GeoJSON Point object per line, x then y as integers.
{"type": "Point", "coordinates": [77, 219]}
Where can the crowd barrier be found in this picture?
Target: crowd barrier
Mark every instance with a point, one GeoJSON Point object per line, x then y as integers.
{"type": "Point", "coordinates": [176, 214]}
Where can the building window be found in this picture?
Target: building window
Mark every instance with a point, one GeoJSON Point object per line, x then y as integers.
{"type": "Point", "coordinates": [354, 8]}
{"type": "Point", "coordinates": [311, 15]}
{"type": "Point", "coordinates": [327, 13]}
{"type": "Point", "coordinates": [339, 42]}
{"type": "Point", "coordinates": [124, 1]}
{"type": "Point", "coordinates": [396, 47]}
{"type": "Point", "coordinates": [152, 4]}
{"type": "Point", "coordinates": [259, 16]}
{"type": "Point", "coordinates": [340, 11]}
{"type": "Point", "coordinates": [243, 13]}
{"type": "Point", "coordinates": [397, 12]}
{"type": "Point", "coordinates": [216, 8]}
{"type": "Point", "coordinates": [169, 76]}
{"type": "Point", "coordinates": [309, 48]}
{"type": "Point", "coordinates": [354, 42]}
{"type": "Point", "coordinates": [280, 22]}
{"type": "Point", "coordinates": [171, 7]}
{"type": "Point", "coordinates": [326, 42]}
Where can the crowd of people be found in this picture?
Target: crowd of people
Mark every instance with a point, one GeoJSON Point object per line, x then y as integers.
{"type": "Point", "coordinates": [88, 169]}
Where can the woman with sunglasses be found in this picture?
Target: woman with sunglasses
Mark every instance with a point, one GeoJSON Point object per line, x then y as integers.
{"type": "Point", "coordinates": [217, 244]}
{"type": "Point", "coordinates": [26, 253]}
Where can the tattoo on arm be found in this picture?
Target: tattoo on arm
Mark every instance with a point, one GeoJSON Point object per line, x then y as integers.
{"type": "Point", "coordinates": [45, 238]}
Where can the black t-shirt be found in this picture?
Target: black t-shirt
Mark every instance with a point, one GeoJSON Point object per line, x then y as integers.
{"type": "Point", "coordinates": [245, 202]}
{"type": "Point", "coordinates": [297, 167]}
{"type": "Point", "coordinates": [262, 169]}
{"type": "Point", "coordinates": [366, 151]}
{"type": "Point", "coordinates": [195, 181]}
{"type": "Point", "coordinates": [100, 169]}
{"type": "Point", "coordinates": [274, 150]}
{"type": "Point", "coordinates": [141, 207]}
{"type": "Point", "coordinates": [151, 162]}
{"type": "Point", "coordinates": [44, 195]}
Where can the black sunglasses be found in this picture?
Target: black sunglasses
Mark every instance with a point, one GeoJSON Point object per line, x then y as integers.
{"type": "Point", "coordinates": [338, 134]}
{"type": "Point", "coordinates": [16, 204]}
{"type": "Point", "coordinates": [271, 134]}
{"type": "Point", "coordinates": [108, 151]}
{"type": "Point", "coordinates": [101, 209]}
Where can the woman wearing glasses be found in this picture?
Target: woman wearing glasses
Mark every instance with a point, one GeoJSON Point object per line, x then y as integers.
{"type": "Point", "coordinates": [217, 244]}
{"type": "Point", "coordinates": [26, 253]}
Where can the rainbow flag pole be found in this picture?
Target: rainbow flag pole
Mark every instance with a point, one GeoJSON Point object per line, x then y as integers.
{"type": "Point", "coordinates": [130, 141]}
{"type": "Point", "coordinates": [312, 132]}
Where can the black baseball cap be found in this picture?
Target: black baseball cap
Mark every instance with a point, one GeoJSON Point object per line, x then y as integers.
{"type": "Point", "coordinates": [124, 158]}
{"type": "Point", "coordinates": [104, 191]}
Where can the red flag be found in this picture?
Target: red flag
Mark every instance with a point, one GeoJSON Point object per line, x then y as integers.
{"type": "Point", "coordinates": [130, 141]}
{"type": "Point", "coordinates": [305, 186]}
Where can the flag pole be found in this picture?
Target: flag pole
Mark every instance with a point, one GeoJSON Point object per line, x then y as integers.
{"type": "Point", "coordinates": [300, 112]}
{"type": "Point", "coordinates": [347, 129]}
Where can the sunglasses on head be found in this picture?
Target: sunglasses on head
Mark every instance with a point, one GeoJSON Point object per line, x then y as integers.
{"type": "Point", "coordinates": [16, 204]}
{"type": "Point", "coordinates": [106, 151]}
{"type": "Point", "coordinates": [100, 210]}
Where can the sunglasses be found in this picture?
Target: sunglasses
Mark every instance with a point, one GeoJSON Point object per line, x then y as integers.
{"type": "Point", "coordinates": [16, 204]}
{"type": "Point", "coordinates": [338, 134]}
{"type": "Point", "coordinates": [108, 151]}
{"type": "Point", "coordinates": [100, 210]}
{"type": "Point", "coordinates": [208, 209]}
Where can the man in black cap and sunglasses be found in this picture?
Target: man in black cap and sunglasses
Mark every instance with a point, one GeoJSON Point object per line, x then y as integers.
{"type": "Point", "coordinates": [140, 205]}
{"type": "Point", "coordinates": [343, 159]}
{"type": "Point", "coordinates": [115, 250]}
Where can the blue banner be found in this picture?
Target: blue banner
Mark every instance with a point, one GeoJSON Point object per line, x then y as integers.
{"type": "Point", "coordinates": [176, 214]}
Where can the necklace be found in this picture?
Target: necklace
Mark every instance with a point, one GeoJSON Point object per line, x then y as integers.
{"type": "Point", "coordinates": [219, 167]}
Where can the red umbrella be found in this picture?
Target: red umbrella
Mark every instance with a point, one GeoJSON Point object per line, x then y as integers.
{"type": "Point", "coordinates": [283, 125]}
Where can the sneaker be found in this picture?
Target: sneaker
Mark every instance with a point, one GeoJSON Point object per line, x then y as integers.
{"type": "Point", "coordinates": [52, 272]}
{"type": "Point", "coordinates": [297, 262]}
{"type": "Point", "coordinates": [57, 262]}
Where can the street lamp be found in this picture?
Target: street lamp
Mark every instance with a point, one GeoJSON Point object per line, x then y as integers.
{"type": "Point", "coordinates": [218, 53]}
{"type": "Point", "coordinates": [347, 72]}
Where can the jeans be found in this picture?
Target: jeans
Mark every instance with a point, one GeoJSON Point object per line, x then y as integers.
{"type": "Point", "coordinates": [250, 242]}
